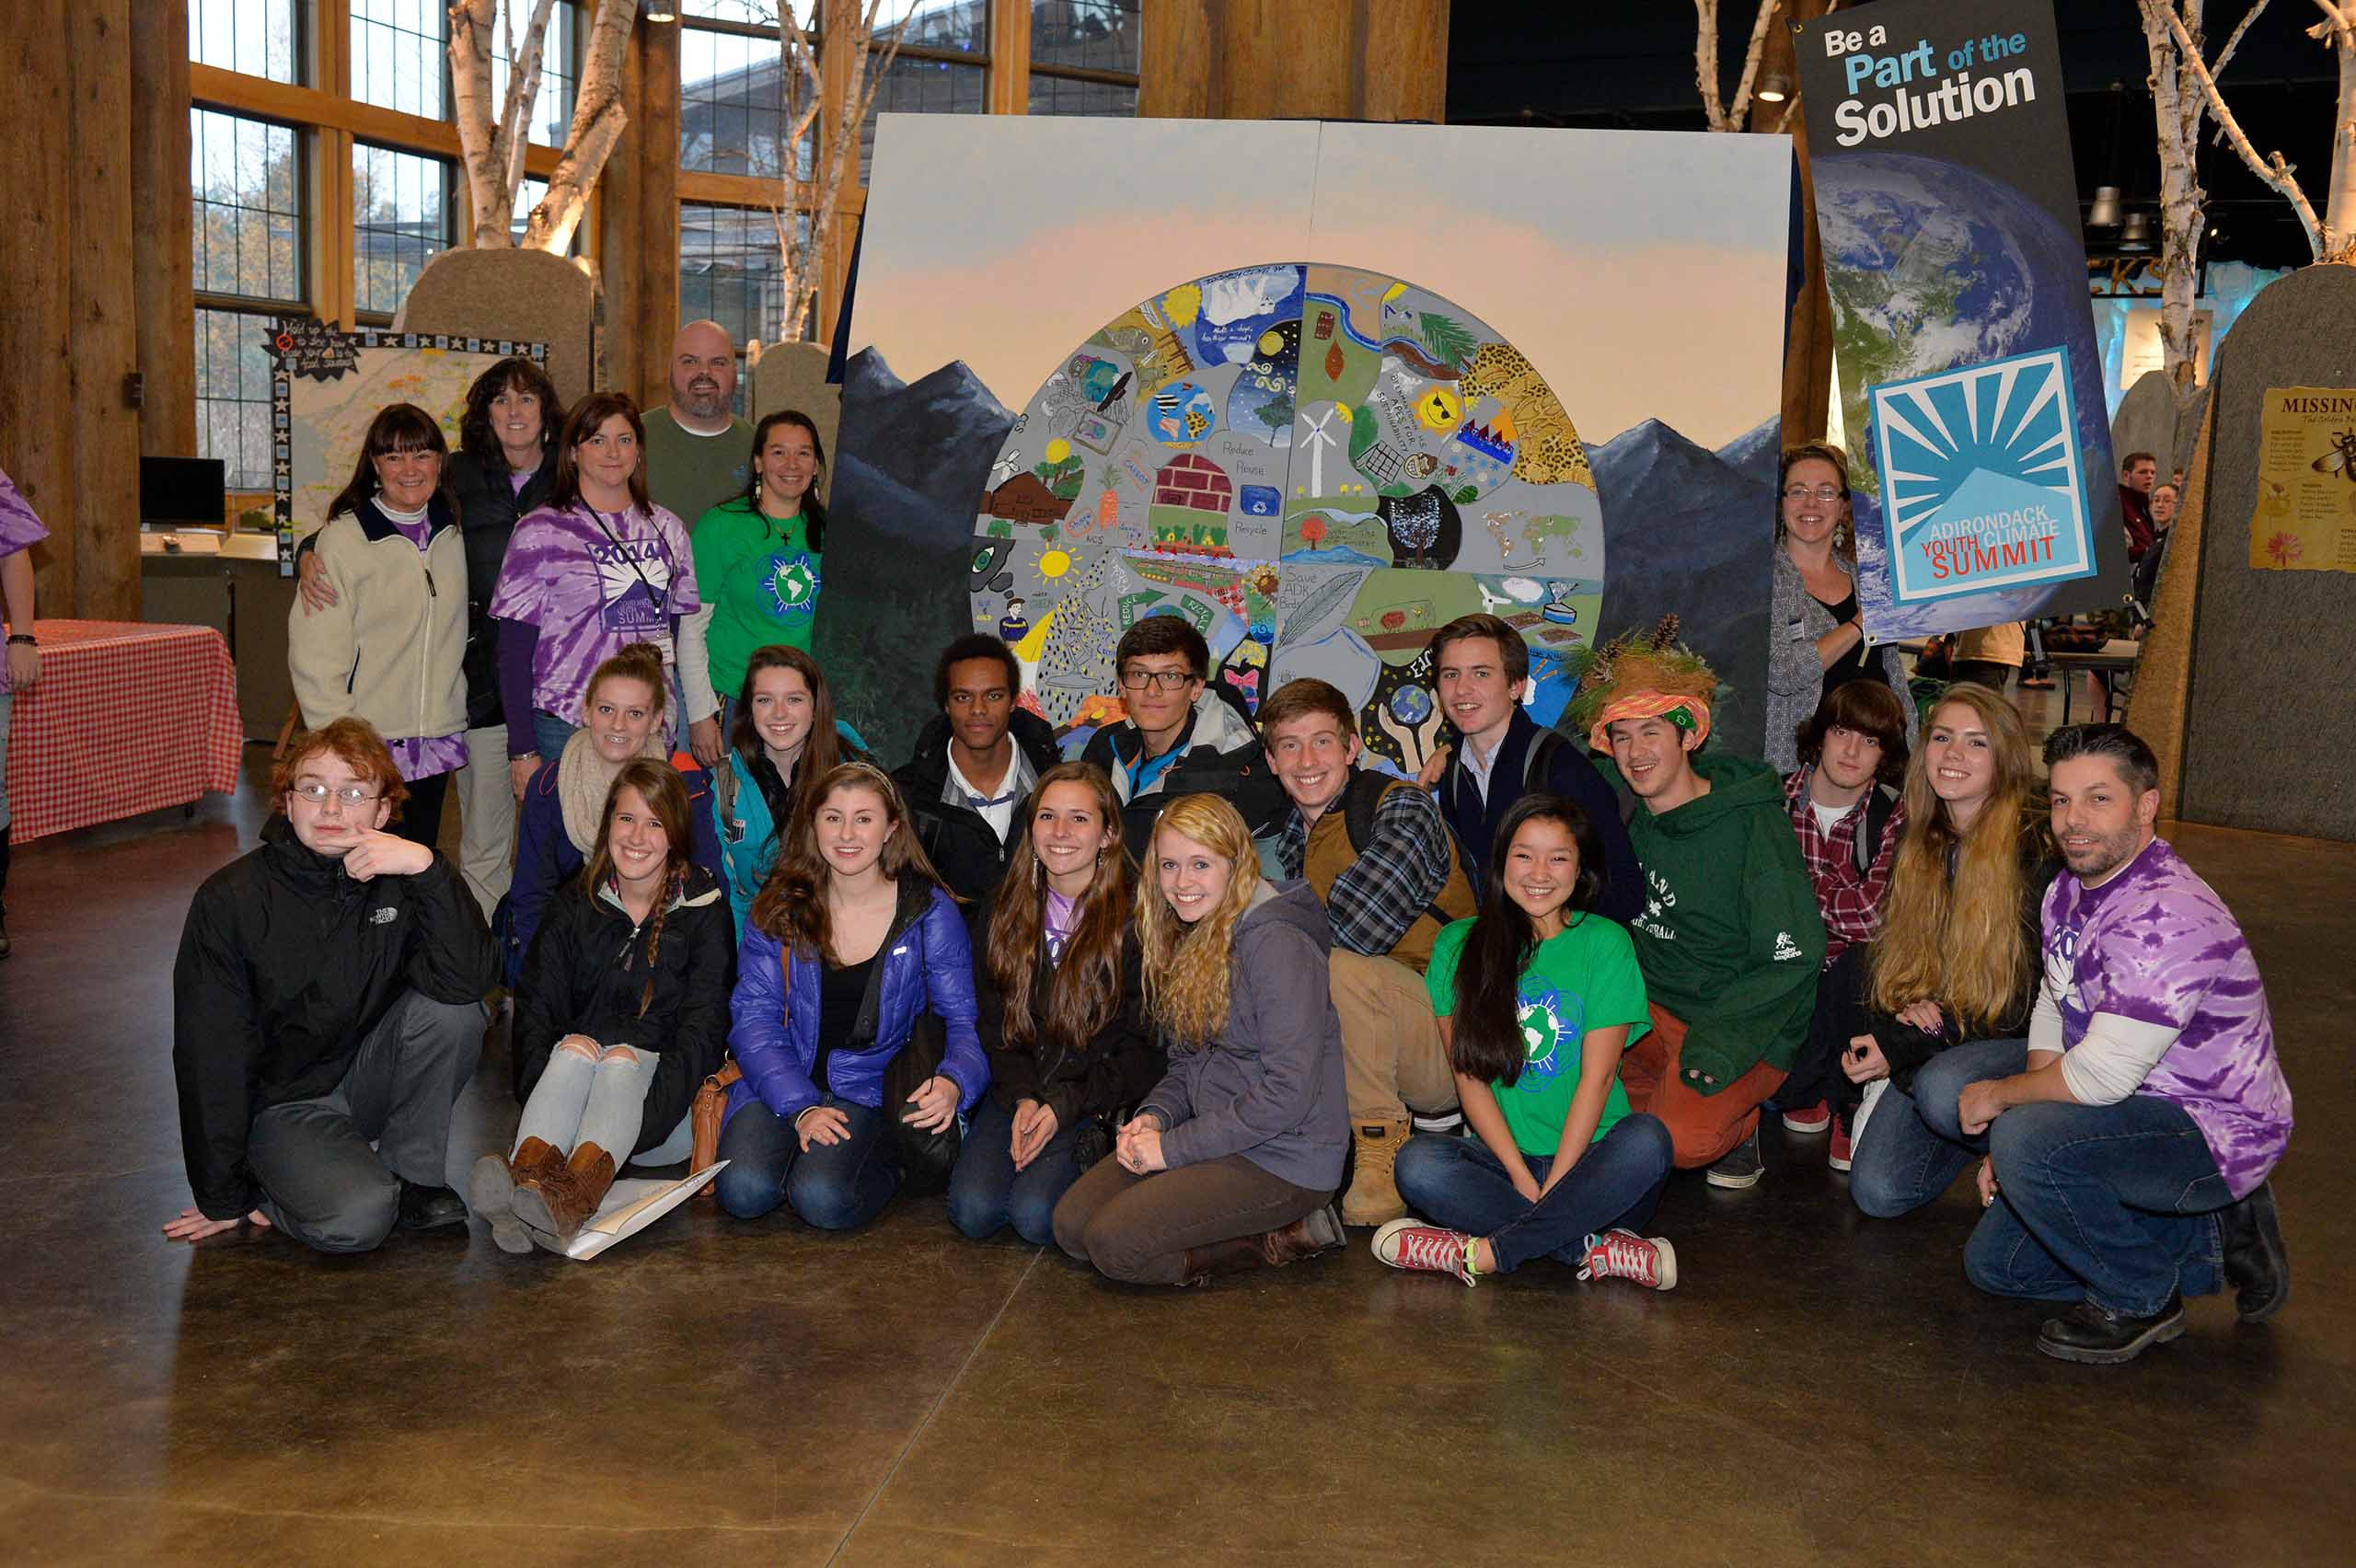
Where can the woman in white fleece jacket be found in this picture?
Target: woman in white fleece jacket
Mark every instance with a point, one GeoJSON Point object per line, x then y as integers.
{"type": "Point", "coordinates": [391, 649]}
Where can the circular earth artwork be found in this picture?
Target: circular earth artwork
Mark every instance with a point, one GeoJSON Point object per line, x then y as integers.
{"type": "Point", "coordinates": [1318, 467]}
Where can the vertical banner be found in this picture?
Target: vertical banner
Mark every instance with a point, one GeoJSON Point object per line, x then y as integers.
{"type": "Point", "coordinates": [1970, 388]}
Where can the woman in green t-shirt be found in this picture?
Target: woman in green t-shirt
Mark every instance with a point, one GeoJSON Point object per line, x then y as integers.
{"type": "Point", "coordinates": [1537, 997]}
{"type": "Point", "coordinates": [757, 569]}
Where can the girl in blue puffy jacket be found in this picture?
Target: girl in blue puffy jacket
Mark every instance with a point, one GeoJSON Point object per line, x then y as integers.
{"type": "Point", "coordinates": [850, 941]}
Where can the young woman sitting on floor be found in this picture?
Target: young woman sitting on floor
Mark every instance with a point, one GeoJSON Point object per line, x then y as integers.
{"type": "Point", "coordinates": [782, 736]}
{"type": "Point", "coordinates": [1953, 974]}
{"type": "Point", "coordinates": [621, 1012]}
{"type": "Point", "coordinates": [623, 719]}
{"type": "Point", "coordinates": [851, 941]}
{"type": "Point", "coordinates": [1233, 1160]}
{"type": "Point", "coordinates": [1059, 1008]}
{"type": "Point", "coordinates": [1537, 997]}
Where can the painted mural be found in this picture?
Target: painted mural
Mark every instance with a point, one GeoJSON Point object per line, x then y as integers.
{"type": "Point", "coordinates": [1316, 465]}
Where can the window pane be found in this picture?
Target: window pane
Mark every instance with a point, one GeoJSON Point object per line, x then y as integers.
{"type": "Point", "coordinates": [730, 271]}
{"type": "Point", "coordinates": [963, 25]}
{"type": "Point", "coordinates": [924, 86]}
{"type": "Point", "coordinates": [1062, 95]}
{"type": "Point", "coordinates": [400, 216]}
{"type": "Point", "coordinates": [256, 37]}
{"type": "Point", "coordinates": [552, 106]}
{"type": "Point", "coordinates": [758, 13]}
{"type": "Point", "coordinates": [732, 105]}
{"type": "Point", "coordinates": [233, 394]}
{"type": "Point", "coordinates": [1099, 34]}
{"type": "Point", "coordinates": [243, 182]}
{"type": "Point", "coordinates": [396, 60]}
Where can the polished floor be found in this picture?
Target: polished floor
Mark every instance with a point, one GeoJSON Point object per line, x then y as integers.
{"type": "Point", "coordinates": [1819, 1388]}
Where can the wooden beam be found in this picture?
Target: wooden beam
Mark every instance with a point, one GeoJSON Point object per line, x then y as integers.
{"type": "Point", "coordinates": [620, 220]}
{"type": "Point", "coordinates": [163, 275]}
{"type": "Point", "coordinates": [1287, 59]}
{"type": "Point", "coordinates": [1009, 47]}
{"type": "Point", "coordinates": [215, 88]}
{"type": "Point", "coordinates": [104, 320]}
{"type": "Point", "coordinates": [658, 235]}
{"type": "Point", "coordinates": [1178, 60]}
{"type": "Point", "coordinates": [755, 190]}
{"type": "Point", "coordinates": [36, 422]}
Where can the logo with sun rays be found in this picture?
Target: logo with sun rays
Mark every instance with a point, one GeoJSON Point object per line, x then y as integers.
{"type": "Point", "coordinates": [1982, 482]}
{"type": "Point", "coordinates": [1550, 1021]}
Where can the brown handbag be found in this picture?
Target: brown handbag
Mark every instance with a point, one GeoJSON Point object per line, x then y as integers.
{"type": "Point", "coordinates": [703, 1120]}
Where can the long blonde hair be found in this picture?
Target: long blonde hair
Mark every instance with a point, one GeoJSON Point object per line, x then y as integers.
{"type": "Point", "coordinates": [1957, 942]}
{"type": "Point", "coordinates": [1188, 969]}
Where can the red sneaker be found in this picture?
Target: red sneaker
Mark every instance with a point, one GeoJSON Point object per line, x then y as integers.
{"type": "Point", "coordinates": [1814, 1119]}
{"type": "Point", "coordinates": [1840, 1154]}
{"type": "Point", "coordinates": [1651, 1261]}
{"type": "Point", "coordinates": [1412, 1244]}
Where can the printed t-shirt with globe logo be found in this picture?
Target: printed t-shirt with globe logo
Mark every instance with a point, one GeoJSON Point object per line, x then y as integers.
{"type": "Point", "coordinates": [763, 582]}
{"type": "Point", "coordinates": [1582, 978]}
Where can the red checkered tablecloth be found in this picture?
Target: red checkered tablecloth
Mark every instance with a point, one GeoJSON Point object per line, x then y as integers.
{"type": "Point", "coordinates": [127, 718]}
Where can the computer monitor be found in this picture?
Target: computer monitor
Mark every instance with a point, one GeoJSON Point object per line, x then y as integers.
{"type": "Point", "coordinates": [184, 490]}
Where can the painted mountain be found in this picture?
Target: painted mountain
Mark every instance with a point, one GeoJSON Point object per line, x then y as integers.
{"type": "Point", "coordinates": [1684, 530]}
{"type": "Point", "coordinates": [909, 458]}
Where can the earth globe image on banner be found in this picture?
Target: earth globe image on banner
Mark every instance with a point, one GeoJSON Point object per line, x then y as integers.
{"type": "Point", "coordinates": [1929, 267]}
{"type": "Point", "coordinates": [1317, 467]}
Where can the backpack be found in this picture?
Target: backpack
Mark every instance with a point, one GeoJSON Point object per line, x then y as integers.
{"type": "Point", "coordinates": [1360, 801]}
{"type": "Point", "coordinates": [1881, 800]}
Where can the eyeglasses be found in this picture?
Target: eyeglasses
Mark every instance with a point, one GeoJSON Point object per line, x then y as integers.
{"type": "Point", "coordinates": [1161, 680]}
{"type": "Point", "coordinates": [1821, 492]}
{"type": "Point", "coordinates": [350, 794]}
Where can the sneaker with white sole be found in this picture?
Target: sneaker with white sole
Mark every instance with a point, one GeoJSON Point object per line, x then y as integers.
{"type": "Point", "coordinates": [1411, 1244]}
{"type": "Point", "coordinates": [1808, 1119]}
{"type": "Point", "coordinates": [1650, 1262]}
{"type": "Point", "coordinates": [1741, 1165]}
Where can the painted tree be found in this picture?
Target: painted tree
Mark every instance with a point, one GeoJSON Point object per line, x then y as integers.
{"type": "Point", "coordinates": [826, 108]}
{"type": "Point", "coordinates": [492, 148]}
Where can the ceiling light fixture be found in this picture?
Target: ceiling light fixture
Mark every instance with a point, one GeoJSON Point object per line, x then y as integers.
{"type": "Point", "coordinates": [2105, 213]}
{"type": "Point", "coordinates": [658, 10]}
{"type": "Point", "coordinates": [1776, 89]}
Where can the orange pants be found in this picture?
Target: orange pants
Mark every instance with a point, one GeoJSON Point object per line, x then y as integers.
{"type": "Point", "coordinates": [1702, 1127]}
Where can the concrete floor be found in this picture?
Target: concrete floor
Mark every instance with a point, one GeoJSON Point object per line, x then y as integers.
{"type": "Point", "coordinates": [1819, 1387]}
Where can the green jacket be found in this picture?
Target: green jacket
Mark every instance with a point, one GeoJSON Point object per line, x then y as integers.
{"type": "Point", "coordinates": [1729, 939]}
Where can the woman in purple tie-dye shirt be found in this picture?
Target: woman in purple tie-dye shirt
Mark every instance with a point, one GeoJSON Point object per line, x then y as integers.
{"type": "Point", "coordinates": [597, 568]}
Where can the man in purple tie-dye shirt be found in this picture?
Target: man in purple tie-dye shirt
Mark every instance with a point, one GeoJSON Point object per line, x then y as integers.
{"type": "Point", "coordinates": [19, 531]}
{"type": "Point", "coordinates": [2128, 1166]}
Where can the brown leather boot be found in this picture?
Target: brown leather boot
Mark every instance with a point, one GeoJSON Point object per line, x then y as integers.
{"type": "Point", "coordinates": [1232, 1256]}
{"type": "Point", "coordinates": [534, 1157]}
{"type": "Point", "coordinates": [560, 1194]}
{"type": "Point", "coordinates": [1305, 1238]}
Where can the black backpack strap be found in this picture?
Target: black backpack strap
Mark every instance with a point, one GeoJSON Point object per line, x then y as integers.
{"type": "Point", "coordinates": [1880, 803]}
{"type": "Point", "coordinates": [1359, 803]}
{"type": "Point", "coordinates": [1538, 763]}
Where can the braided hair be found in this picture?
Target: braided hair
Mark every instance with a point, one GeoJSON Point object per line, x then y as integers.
{"type": "Point", "coordinates": [662, 791]}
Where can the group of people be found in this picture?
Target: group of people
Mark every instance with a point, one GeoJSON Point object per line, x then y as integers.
{"type": "Point", "coordinates": [1201, 997]}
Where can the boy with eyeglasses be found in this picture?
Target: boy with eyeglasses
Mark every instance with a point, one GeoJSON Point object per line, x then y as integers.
{"type": "Point", "coordinates": [1183, 736]}
{"type": "Point", "coordinates": [328, 997]}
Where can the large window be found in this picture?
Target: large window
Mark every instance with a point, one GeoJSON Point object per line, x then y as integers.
{"type": "Point", "coordinates": [943, 65]}
{"type": "Point", "coordinates": [258, 38]}
{"type": "Point", "coordinates": [552, 107]}
{"type": "Point", "coordinates": [247, 184]}
{"type": "Point", "coordinates": [731, 103]}
{"type": "Point", "coordinates": [396, 59]}
{"type": "Point", "coordinates": [401, 219]}
{"type": "Point", "coordinates": [729, 271]}
{"type": "Point", "coordinates": [1084, 57]}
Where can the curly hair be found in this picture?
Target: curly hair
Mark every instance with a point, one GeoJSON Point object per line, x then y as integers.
{"type": "Point", "coordinates": [1955, 938]}
{"type": "Point", "coordinates": [1188, 969]}
{"type": "Point", "coordinates": [1085, 991]}
{"type": "Point", "coordinates": [515, 373]}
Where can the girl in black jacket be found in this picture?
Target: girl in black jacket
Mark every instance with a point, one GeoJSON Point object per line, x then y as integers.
{"type": "Point", "coordinates": [1056, 988]}
{"type": "Point", "coordinates": [621, 1013]}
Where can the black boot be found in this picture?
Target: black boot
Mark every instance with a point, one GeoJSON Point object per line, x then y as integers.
{"type": "Point", "coordinates": [2098, 1336]}
{"type": "Point", "coordinates": [2256, 1264]}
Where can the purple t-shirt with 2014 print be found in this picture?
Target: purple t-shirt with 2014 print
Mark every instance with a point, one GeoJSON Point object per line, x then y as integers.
{"type": "Point", "coordinates": [593, 582]}
{"type": "Point", "coordinates": [2157, 944]}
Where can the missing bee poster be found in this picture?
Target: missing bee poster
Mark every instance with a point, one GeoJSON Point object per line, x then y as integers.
{"type": "Point", "coordinates": [2306, 519]}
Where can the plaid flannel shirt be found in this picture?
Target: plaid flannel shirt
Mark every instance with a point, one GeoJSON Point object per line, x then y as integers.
{"type": "Point", "coordinates": [1404, 867]}
{"type": "Point", "coordinates": [1849, 899]}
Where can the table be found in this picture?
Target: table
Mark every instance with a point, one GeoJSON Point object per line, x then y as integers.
{"type": "Point", "coordinates": [2117, 656]}
{"type": "Point", "coordinates": [128, 718]}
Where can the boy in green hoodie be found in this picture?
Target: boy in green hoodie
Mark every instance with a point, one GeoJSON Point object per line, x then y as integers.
{"type": "Point", "coordinates": [1729, 939]}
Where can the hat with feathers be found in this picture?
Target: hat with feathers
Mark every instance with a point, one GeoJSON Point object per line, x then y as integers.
{"type": "Point", "coordinates": [1640, 676]}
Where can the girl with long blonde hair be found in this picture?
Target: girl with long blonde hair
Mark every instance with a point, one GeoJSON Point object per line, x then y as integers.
{"type": "Point", "coordinates": [1954, 971]}
{"type": "Point", "coordinates": [1232, 1159]}
{"type": "Point", "coordinates": [852, 942]}
{"type": "Point", "coordinates": [1059, 1004]}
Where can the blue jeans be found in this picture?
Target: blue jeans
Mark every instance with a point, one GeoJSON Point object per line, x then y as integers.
{"type": "Point", "coordinates": [1912, 1149]}
{"type": "Point", "coordinates": [833, 1186]}
{"type": "Point", "coordinates": [2113, 1204]}
{"type": "Point", "coordinates": [1459, 1184]}
{"type": "Point", "coordinates": [549, 734]}
{"type": "Point", "coordinates": [986, 1193]}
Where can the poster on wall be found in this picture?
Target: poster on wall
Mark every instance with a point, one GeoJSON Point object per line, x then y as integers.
{"type": "Point", "coordinates": [1416, 371]}
{"type": "Point", "coordinates": [2306, 519]}
{"type": "Point", "coordinates": [2141, 350]}
{"type": "Point", "coordinates": [327, 385]}
{"type": "Point", "coordinates": [1969, 384]}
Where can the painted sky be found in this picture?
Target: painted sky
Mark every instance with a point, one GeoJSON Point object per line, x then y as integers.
{"type": "Point", "coordinates": [1640, 271]}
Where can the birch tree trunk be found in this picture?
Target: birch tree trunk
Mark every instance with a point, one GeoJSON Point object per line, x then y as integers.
{"type": "Point", "coordinates": [1722, 115]}
{"type": "Point", "coordinates": [2337, 32]}
{"type": "Point", "coordinates": [481, 154]}
{"type": "Point", "coordinates": [2273, 169]}
{"type": "Point", "coordinates": [597, 121]}
{"type": "Point", "coordinates": [802, 256]}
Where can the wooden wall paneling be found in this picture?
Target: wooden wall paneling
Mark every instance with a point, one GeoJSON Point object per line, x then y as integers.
{"type": "Point", "coordinates": [1178, 60]}
{"type": "Point", "coordinates": [163, 275]}
{"type": "Point", "coordinates": [104, 326]}
{"type": "Point", "coordinates": [658, 235]}
{"type": "Point", "coordinates": [36, 421]}
{"type": "Point", "coordinates": [1287, 59]}
{"type": "Point", "coordinates": [1404, 61]}
{"type": "Point", "coordinates": [620, 223]}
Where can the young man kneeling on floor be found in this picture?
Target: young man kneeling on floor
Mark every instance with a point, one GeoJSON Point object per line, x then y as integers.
{"type": "Point", "coordinates": [2128, 1158]}
{"type": "Point", "coordinates": [327, 997]}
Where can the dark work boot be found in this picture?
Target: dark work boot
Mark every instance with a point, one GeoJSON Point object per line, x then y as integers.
{"type": "Point", "coordinates": [2256, 1265]}
{"type": "Point", "coordinates": [431, 1208]}
{"type": "Point", "coordinates": [2096, 1336]}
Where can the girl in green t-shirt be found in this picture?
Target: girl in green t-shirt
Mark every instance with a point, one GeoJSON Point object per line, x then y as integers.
{"type": "Point", "coordinates": [1537, 997]}
{"type": "Point", "coordinates": [757, 567]}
